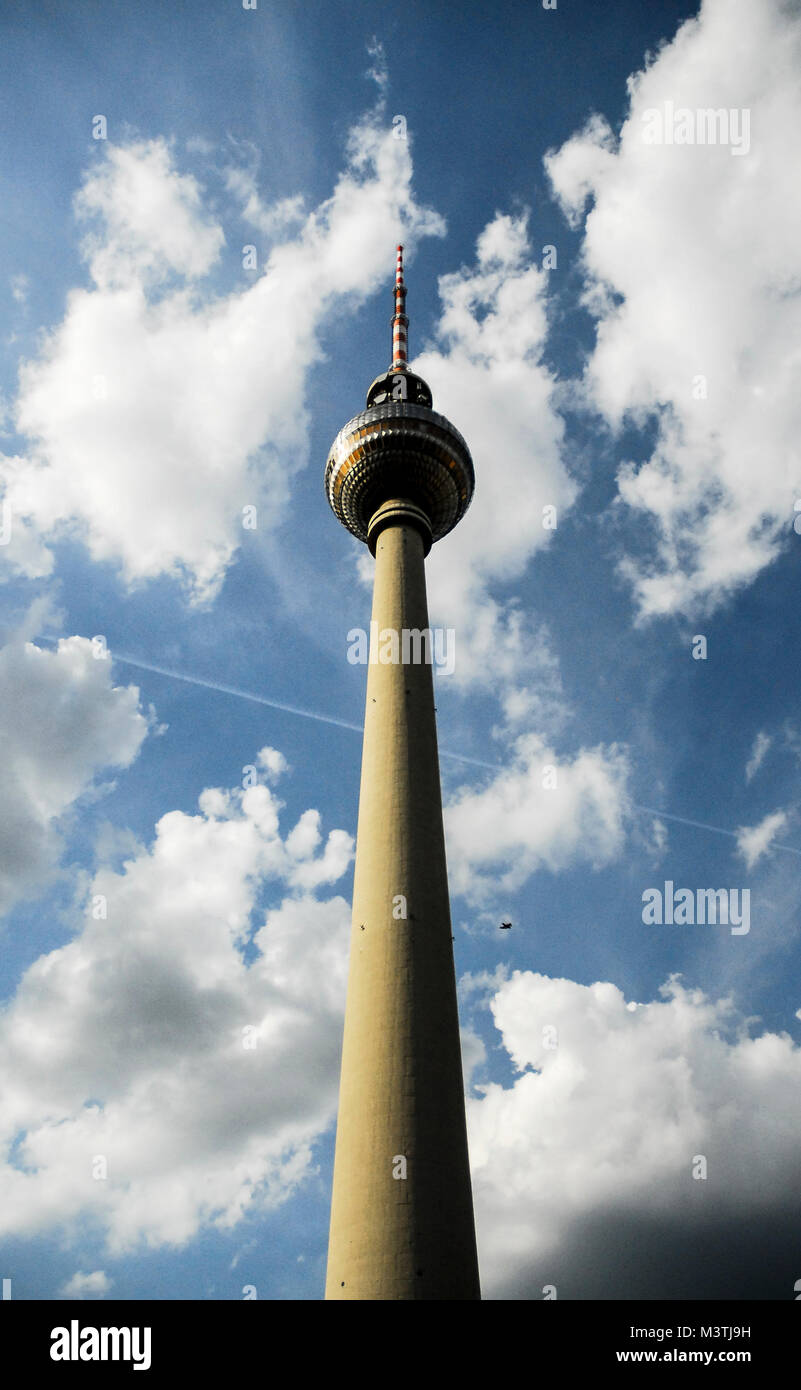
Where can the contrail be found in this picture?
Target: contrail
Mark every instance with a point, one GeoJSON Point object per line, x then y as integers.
{"type": "Point", "coordinates": [359, 728]}
{"type": "Point", "coordinates": [234, 690]}
{"type": "Point", "coordinates": [275, 704]}
{"type": "Point", "coordinates": [700, 825]}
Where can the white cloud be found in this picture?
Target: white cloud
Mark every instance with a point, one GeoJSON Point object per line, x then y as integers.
{"type": "Point", "coordinates": [149, 1043]}
{"type": "Point", "coordinates": [62, 722]}
{"type": "Point", "coordinates": [94, 1285]}
{"type": "Point", "coordinates": [270, 219]}
{"type": "Point", "coordinates": [489, 379]}
{"type": "Point", "coordinates": [762, 743]}
{"type": "Point", "coordinates": [378, 71]}
{"type": "Point", "coordinates": [23, 550]}
{"type": "Point", "coordinates": [151, 419]}
{"type": "Point", "coordinates": [146, 219]}
{"type": "Point", "coordinates": [693, 269]}
{"type": "Point", "coordinates": [755, 840]}
{"type": "Point", "coordinates": [487, 376]}
{"type": "Point", "coordinates": [499, 835]}
{"type": "Point", "coordinates": [272, 763]}
{"type": "Point", "coordinates": [501, 649]}
{"type": "Point", "coordinates": [593, 1146]}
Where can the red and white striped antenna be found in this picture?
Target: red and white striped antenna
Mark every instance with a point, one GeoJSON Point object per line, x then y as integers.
{"type": "Point", "coordinates": [400, 323]}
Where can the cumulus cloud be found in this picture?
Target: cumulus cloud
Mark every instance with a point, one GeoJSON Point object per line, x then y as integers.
{"type": "Point", "coordinates": [583, 1167]}
{"type": "Point", "coordinates": [755, 840]}
{"type": "Point", "coordinates": [540, 812]}
{"type": "Point", "coordinates": [486, 372]}
{"type": "Point", "coordinates": [272, 763]}
{"type": "Point", "coordinates": [94, 1285]}
{"type": "Point", "coordinates": [693, 271]}
{"type": "Point", "coordinates": [62, 722]}
{"type": "Point", "coordinates": [151, 418]}
{"type": "Point", "coordinates": [154, 1061]}
{"type": "Point", "coordinates": [502, 649]}
{"type": "Point", "coordinates": [24, 553]}
{"type": "Point", "coordinates": [147, 220]}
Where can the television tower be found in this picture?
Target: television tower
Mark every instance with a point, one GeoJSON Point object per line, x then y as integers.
{"type": "Point", "coordinates": [399, 476]}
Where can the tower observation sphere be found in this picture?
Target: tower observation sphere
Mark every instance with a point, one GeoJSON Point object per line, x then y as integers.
{"type": "Point", "coordinates": [399, 447]}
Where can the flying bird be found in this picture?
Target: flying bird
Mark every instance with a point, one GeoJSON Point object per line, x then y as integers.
{"type": "Point", "coordinates": [505, 926]}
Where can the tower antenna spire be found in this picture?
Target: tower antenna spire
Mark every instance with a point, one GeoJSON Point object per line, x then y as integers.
{"type": "Point", "coordinates": [400, 322]}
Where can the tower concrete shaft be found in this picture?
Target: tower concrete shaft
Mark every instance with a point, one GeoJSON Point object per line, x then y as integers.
{"type": "Point", "coordinates": [402, 1215]}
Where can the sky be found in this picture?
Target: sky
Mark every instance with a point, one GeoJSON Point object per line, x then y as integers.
{"type": "Point", "coordinates": [601, 216]}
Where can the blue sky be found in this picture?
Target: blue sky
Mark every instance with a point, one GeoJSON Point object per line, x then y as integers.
{"type": "Point", "coordinates": [160, 899]}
